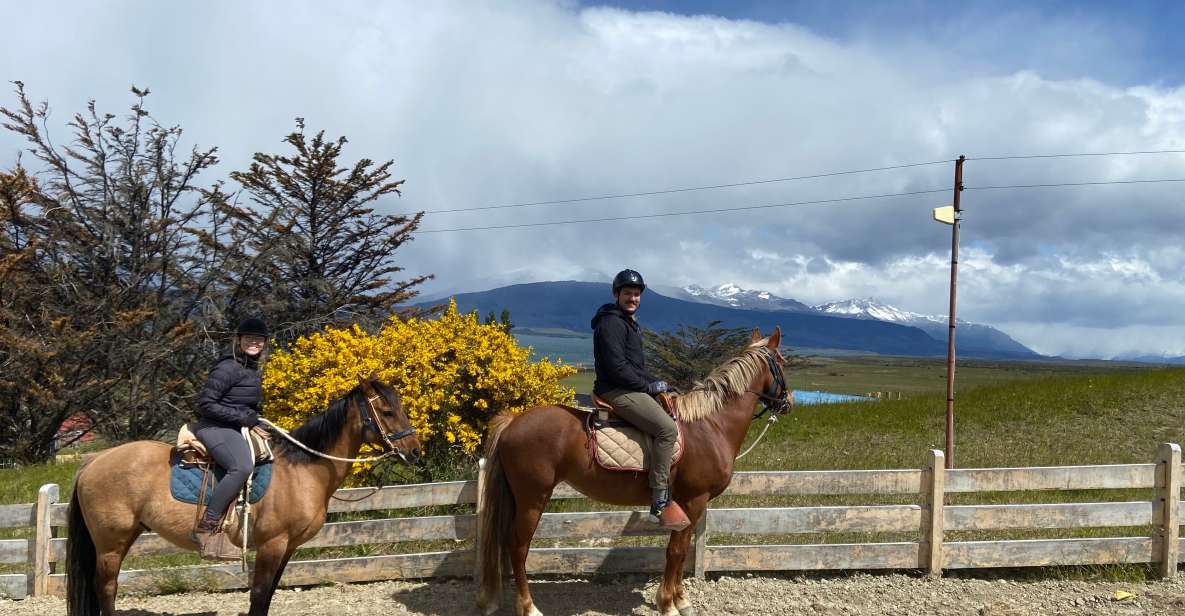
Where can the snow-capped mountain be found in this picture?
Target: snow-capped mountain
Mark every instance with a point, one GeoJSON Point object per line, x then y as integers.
{"type": "Point", "coordinates": [971, 338]}
{"type": "Point", "coordinates": [731, 295]}
{"type": "Point", "coordinates": [869, 308]}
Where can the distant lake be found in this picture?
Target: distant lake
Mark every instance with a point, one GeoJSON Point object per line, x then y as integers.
{"type": "Point", "coordinates": [571, 350]}
{"type": "Point", "coordinates": [825, 397]}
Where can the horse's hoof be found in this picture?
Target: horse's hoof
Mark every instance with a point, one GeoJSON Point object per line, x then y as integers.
{"type": "Point", "coordinates": [688, 611]}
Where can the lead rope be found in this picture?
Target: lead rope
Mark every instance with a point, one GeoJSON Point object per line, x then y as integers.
{"type": "Point", "coordinates": [245, 519]}
{"type": "Point", "coordinates": [772, 418]}
{"type": "Point", "coordinates": [284, 433]}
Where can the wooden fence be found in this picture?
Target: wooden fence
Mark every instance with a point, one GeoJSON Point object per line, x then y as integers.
{"type": "Point", "coordinates": [927, 519]}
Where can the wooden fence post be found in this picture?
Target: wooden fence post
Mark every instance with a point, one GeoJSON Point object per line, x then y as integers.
{"type": "Point", "coordinates": [42, 533]}
{"type": "Point", "coordinates": [1168, 521]}
{"type": "Point", "coordinates": [482, 475]}
{"type": "Point", "coordinates": [934, 486]}
{"type": "Point", "coordinates": [699, 556]}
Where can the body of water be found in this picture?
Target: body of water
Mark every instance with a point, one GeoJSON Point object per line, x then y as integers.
{"type": "Point", "coordinates": [825, 397]}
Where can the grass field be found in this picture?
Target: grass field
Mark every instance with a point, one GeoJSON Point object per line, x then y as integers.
{"type": "Point", "coordinates": [911, 375]}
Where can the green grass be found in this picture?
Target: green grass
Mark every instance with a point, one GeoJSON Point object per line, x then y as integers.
{"type": "Point", "coordinates": [20, 485]}
{"type": "Point", "coordinates": [1099, 418]}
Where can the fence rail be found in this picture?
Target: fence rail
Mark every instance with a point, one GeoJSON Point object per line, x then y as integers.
{"type": "Point", "coordinates": [929, 520]}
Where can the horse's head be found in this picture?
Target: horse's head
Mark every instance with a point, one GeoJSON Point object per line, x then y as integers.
{"type": "Point", "coordinates": [384, 422]}
{"type": "Point", "coordinates": [776, 393]}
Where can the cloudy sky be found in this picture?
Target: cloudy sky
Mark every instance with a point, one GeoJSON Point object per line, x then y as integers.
{"type": "Point", "coordinates": [502, 103]}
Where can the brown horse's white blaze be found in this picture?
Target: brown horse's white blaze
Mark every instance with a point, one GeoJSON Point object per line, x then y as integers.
{"type": "Point", "coordinates": [125, 490]}
{"type": "Point", "coordinates": [529, 454]}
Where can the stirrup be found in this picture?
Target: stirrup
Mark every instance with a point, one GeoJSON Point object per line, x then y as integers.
{"type": "Point", "coordinates": [217, 546]}
{"type": "Point", "coordinates": [669, 516]}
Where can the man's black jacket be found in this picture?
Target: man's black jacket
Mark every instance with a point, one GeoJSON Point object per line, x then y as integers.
{"type": "Point", "coordinates": [231, 396]}
{"type": "Point", "coordinates": [617, 352]}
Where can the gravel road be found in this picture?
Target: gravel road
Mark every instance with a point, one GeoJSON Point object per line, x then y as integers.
{"type": "Point", "coordinates": [860, 594]}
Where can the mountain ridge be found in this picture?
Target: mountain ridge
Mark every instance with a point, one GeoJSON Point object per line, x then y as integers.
{"type": "Point", "coordinates": [570, 305]}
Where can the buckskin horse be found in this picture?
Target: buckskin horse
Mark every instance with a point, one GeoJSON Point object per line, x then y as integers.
{"type": "Point", "coordinates": [125, 490]}
{"type": "Point", "coordinates": [529, 454]}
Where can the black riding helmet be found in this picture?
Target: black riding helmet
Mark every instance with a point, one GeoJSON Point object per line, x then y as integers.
{"type": "Point", "coordinates": [252, 326]}
{"type": "Point", "coordinates": [628, 278]}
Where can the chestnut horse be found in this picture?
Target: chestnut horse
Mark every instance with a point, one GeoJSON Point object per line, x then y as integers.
{"type": "Point", "coordinates": [529, 454]}
{"type": "Point", "coordinates": [125, 490]}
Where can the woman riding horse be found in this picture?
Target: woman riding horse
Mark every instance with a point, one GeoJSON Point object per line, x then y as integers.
{"type": "Point", "coordinates": [229, 401]}
{"type": "Point", "coordinates": [125, 491]}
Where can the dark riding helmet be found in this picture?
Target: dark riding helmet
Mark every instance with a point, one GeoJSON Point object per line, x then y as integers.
{"type": "Point", "coordinates": [252, 326]}
{"type": "Point", "coordinates": [628, 278]}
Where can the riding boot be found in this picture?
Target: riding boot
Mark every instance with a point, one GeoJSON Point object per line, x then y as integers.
{"type": "Point", "coordinates": [666, 512]}
{"type": "Point", "coordinates": [213, 544]}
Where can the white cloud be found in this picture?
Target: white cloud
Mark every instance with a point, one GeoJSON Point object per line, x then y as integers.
{"type": "Point", "coordinates": [484, 104]}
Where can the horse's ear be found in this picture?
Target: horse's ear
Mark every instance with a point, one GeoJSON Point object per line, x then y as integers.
{"type": "Point", "coordinates": [775, 340]}
{"type": "Point", "coordinates": [755, 336]}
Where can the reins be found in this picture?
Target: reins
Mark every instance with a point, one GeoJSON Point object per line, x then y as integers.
{"type": "Point", "coordinates": [370, 421]}
{"type": "Point", "coordinates": [284, 433]}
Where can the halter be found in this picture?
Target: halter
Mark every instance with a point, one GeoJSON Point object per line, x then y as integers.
{"type": "Point", "coordinates": [370, 419]}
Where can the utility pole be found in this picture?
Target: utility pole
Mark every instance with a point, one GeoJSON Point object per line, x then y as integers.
{"type": "Point", "coordinates": [950, 339]}
{"type": "Point", "coordinates": [951, 215]}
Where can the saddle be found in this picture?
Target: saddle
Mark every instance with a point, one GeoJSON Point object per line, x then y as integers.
{"type": "Point", "coordinates": [616, 445]}
{"type": "Point", "coordinates": [193, 452]}
{"type": "Point", "coordinates": [666, 400]}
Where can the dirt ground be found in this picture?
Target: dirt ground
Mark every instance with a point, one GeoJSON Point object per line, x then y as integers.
{"type": "Point", "coordinates": [860, 594]}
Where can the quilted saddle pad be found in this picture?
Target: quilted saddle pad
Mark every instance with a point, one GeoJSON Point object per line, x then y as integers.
{"type": "Point", "coordinates": [626, 448]}
{"type": "Point", "coordinates": [185, 481]}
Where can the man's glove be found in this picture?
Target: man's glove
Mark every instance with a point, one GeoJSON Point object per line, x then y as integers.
{"type": "Point", "coordinates": [657, 387]}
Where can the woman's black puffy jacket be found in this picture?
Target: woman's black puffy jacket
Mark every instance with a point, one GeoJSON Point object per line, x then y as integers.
{"type": "Point", "coordinates": [231, 396]}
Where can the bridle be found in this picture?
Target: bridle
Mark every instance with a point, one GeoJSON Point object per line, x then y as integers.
{"type": "Point", "coordinates": [370, 419]}
{"type": "Point", "coordinates": [778, 400]}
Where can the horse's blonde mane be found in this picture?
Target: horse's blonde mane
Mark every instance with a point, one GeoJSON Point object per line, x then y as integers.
{"type": "Point", "coordinates": [727, 380]}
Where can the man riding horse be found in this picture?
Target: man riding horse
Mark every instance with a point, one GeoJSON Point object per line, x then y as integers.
{"type": "Point", "coordinates": [622, 380]}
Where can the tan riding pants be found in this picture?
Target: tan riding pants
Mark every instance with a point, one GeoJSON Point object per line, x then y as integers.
{"type": "Point", "coordinates": [646, 414]}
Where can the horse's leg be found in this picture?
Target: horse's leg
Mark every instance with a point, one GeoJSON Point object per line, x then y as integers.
{"type": "Point", "coordinates": [670, 598]}
{"type": "Point", "coordinates": [109, 554]}
{"type": "Point", "coordinates": [270, 559]}
{"type": "Point", "coordinates": [526, 518]}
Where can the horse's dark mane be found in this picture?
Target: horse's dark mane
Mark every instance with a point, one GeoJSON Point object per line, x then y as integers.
{"type": "Point", "coordinates": [321, 431]}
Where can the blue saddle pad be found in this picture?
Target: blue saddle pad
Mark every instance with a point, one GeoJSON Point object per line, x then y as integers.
{"type": "Point", "coordinates": [186, 481]}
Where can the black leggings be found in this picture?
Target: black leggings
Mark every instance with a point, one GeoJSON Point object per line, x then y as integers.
{"type": "Point", "coordinates": [231, 452]}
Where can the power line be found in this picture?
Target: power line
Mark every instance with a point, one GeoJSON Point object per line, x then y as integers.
{"type": "Point", "coordinates": [791, 204]}
{"type": "Point", "coordinates": [668, 191]}
{"type": "Point", "coordinates": [688, 212]}
{"type": "Point", "coordinates": [1157, 181]}
{"type": "Point", "coordinates": [1074, 155]}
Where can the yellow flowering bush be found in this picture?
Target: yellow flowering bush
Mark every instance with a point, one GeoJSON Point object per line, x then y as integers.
{"type": "Point", "coordinates": [453, 373]}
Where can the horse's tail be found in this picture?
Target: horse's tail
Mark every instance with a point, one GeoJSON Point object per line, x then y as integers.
{"type": "Point", "coordinates": [497, 517]}
{"type": "Point", "coordinates": [82, 597]}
